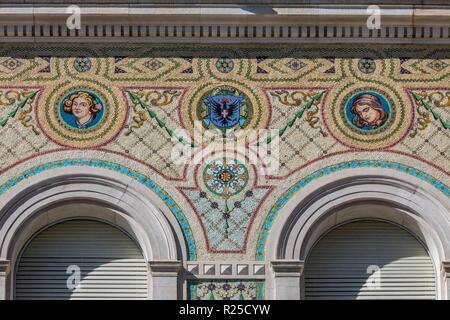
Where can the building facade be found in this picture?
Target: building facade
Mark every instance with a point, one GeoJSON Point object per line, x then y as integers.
{"type": "Point", "coordinates": [224, 150]}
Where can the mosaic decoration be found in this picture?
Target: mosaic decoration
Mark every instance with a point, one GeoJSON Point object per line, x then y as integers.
{"type": "Point", "coordinates": [225, 177]}
{"type": "Point", "coordinates": [82, 64]}
{"type": "Point", "coordinates": [156, 101]}
{"type": "Point", "coordinates": [293, 99]}
{"type": "Point", "coordinates": [437, 65]}
{"type": "Point", "coordinates": [20, 100]}
{"type": "Point", "coordinates": [225, 290]}
{"type": "Point", "coordinates": [224, 65]}
{"type": "Point", "coordinates": [94, 125]}
{"type": "Point", "coordinates": [295, 64]}
{"type": "Point", "coordinates": [431, 102]}
{"type": "Point", "coordinates": [11, 64]}
{"type": "Point", "coordinates": [153, 64]}
{"type": "Point", "coordinates": [366, 65]}
{"type": "Point", "coordinates": [225, 223]}
{"type": "Point", "coordinates": [134, 104]}
{"type": "Point", "coordinates": [226, 198]}
{"type": "Point", "coordinates": [264, 232]}
{"type": "Point", "coordinates": [368, 118]}
{"type": "Point", "coordinates": [368, 111]}
{"type": "Point", "coordinates": [160, 192]}
{"type": "Point", "coordinates": [225, 108]}
{"type": "Point", "coordinates": [81, 109]}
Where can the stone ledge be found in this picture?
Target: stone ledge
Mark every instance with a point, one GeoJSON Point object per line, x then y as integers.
{"type": "Point", "coordinates": [165, 268]}
{"type": "Point", "coordinates": [4, 266]}
{"type": "Point", "coordinates": [287, 268]}
{"type": "Point", "coordinates": [445, 269]}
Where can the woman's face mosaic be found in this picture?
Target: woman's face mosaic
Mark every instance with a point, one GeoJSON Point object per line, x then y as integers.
{"type": "Point", "coordinates": [367, 113]}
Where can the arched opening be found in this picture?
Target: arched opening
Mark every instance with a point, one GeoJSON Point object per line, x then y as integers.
{"type": "Point", "coordinates": [81, 259]}
{"type": "Point", "coordinates": [113, 199]}
{"type": "Point", "coordinates": [348, 196]}
{"type": "Point", "coordinates": [369, 259]}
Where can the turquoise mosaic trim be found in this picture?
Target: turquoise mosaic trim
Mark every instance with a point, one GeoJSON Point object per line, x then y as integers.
{"type": "Point", "coordinates": [226, 290]}
{"type": "Point", "coordinates": [265, 229]}
{"type": "Point", "coordinates": [160, 192]}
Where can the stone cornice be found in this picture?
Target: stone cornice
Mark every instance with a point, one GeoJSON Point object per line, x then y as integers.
{"type": "Point", "coordinates": [224, 23]}
{"type": "Point", "coordinates": [287, 268]}
{"type": "Point", "coordinates": [445, 269]}
{"type": "Point", "coordinates": [4, 266]}
{"type": "Point", "coordinates": [165, 268]}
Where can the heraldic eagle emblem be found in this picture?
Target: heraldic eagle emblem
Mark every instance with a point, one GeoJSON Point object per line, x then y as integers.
{"type": "Point", "coordinates": [225, 109]}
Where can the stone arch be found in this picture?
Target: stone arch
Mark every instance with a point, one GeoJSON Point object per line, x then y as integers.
{"type": "Point", "coordinates": [119, 196]}
{"type": "Point", "coordinates": [419, 205]}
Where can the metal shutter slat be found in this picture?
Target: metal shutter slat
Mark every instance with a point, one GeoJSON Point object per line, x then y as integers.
{"type": "Point", "coordinates": [337, 265]}
{"type": "Point", "coordinates": [112, 266]}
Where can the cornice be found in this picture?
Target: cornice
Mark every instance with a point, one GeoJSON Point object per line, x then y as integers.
{"type": "Point", "coordinates": [225, 23]}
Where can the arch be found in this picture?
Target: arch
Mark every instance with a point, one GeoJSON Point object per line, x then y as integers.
{"type": "Point", "coordinates": [83, 188]}
{"type": "Point", "coordinates": [124, 177]}
{"type": "Point", "coordinates": [370, 189]}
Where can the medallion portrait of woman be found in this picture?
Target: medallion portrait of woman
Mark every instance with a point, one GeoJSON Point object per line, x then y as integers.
{"type": "Point", "coordinates": [85, 108]}
{"type": "Point", "coordinates": [368, 112]}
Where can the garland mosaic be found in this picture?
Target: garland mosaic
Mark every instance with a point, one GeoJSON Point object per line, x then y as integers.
{"type": "Point", "coordinates": [268, 222]}
{"type": "Point", "coordinates": [139, 103]}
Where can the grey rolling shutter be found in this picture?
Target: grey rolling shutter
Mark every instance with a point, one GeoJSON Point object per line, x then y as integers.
{"type": "Point", "coordinates": [111, 264]}
{"type": "Point", "coordinates": [336, 267]}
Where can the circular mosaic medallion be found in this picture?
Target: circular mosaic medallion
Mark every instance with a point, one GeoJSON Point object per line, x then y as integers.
{"type": "Point", "coordinates": [82, 64]}
{"type": "Point", "coordinates": [367, 65]}
{"type": "Point", "coordinates": [215, 112]}
{"type": "Point", "coordinates": [225, 177]}
{"type": "Point", "coordinates": [224, 65]}
{"type": "Point", "coordinates": [79, 117]}
{"type": "Point", "coordinates": [368, 118]}
{"type": "Point", "coordinates": [368, 112]}
{"type": "Point", "coordinates": [81, 109]}
{"type": "Point", "coordinates": [225, 108]}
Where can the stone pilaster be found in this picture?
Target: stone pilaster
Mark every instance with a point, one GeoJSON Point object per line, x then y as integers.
{"type": "Point", "coordinates": [445, 271]}
{"type": "Point", "coordinates": [165, 279]}
{"type": "Point", "coordinates": [4, 270]}
{"type": "Point", "coordinates": [287, 274]}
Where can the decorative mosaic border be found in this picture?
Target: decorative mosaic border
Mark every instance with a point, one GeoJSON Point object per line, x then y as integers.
{"type": "Point", "coordinates": [159, 191]}
{"type": "Point", "coordinates": [217, 287]}
{"type": "Point", "coordinates": [268, 222]}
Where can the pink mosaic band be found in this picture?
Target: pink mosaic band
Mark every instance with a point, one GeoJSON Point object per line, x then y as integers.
{"type": "Point", "coordinates": [365, 99]}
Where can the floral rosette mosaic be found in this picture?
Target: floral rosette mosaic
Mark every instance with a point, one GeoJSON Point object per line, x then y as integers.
{"type": "Point", "coordinates": [230, 290]}
{"type": "Point", "coordinates": [225, 177]}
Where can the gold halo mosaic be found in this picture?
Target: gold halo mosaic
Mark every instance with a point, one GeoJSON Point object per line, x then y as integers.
{"type": "Point", "coordinates": [81, 116]}
{"type": "Point", "coordinates": [368, 118]}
